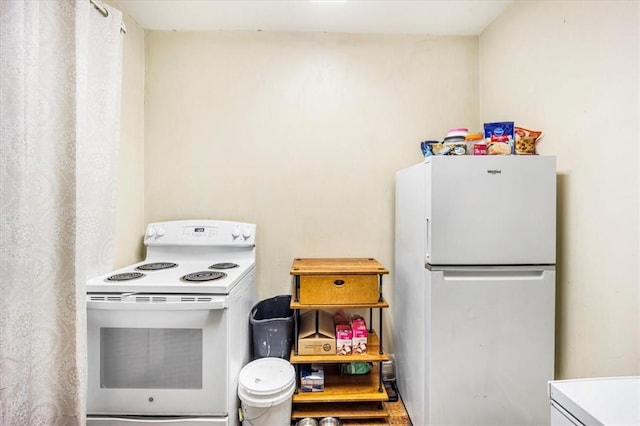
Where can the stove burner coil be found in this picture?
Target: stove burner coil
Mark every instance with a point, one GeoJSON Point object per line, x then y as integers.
{"type": "Point", "coordinates": [223, 265]}
{"type": "Point", "coordinates": [156, 266]}
{"type": "Point", "coordinates": [126, 276]}
{"type": "Point", "coordinates": [203, 276]}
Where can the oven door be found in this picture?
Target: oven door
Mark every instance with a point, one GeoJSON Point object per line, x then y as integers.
{"type": "Point", "coordinates": [157, 355]}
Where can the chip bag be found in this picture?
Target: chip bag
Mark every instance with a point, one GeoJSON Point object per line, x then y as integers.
{"type": "Point", "coordinates": [525, 141]}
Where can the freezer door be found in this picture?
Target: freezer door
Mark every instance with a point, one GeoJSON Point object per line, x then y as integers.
{"type": "Point", "coordinates": [490, 210]}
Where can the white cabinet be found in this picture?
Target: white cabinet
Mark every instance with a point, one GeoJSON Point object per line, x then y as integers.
{"type": "Point", "coordinates": [607, 401]}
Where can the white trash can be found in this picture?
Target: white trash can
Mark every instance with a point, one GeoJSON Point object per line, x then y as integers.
{"type": "Point", "coordinates": [265, 389]}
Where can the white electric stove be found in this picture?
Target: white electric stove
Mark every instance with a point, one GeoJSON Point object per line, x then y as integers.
{"type": "Point", "coordinates": [168, 336]}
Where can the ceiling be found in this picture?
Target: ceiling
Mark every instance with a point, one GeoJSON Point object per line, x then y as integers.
{"type": "Point", "coordinates": [435, 17]}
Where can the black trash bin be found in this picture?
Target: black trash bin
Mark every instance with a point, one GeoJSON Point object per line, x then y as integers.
{"type": "Point", "coordinates": [272, 327]}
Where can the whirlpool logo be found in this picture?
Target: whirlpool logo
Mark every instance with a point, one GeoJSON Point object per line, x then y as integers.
{"type": "Point", "coordinates": [494, 171]}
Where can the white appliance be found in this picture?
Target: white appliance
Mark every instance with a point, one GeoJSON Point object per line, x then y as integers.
{"type": "Point", "coordinates": [168, 336]}
{"type": "Point", "coordinates": [607, 401]}
{"type": "Point", "coordinates": [475, 289]}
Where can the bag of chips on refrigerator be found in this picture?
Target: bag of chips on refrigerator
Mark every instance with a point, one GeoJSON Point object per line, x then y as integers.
{"type": "Point", "coordinates": [525, 141]}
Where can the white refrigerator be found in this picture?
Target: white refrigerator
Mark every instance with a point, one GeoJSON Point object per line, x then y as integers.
{"type": "Point", "coordinates": [474, 290]}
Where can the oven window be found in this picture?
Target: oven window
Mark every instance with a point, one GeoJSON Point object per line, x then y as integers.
{"type": "Point", "coordinates": [151, 358]}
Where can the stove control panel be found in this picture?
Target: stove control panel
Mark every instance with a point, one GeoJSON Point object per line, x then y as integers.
{"type": "Point", "coordinates": [200, 232]}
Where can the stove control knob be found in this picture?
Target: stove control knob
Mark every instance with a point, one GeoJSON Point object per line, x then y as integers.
{"type": "Point", "coordinates": [151, 231]}
{"type": "Point", "coordinates": [246, 233]}
{"type": "Point", "coordinates": [236, 233]}
{"type": "Point", "coordinates": [161, 231]}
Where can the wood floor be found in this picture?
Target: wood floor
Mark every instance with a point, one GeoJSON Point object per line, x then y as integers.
{"type": "Point", "coordinates": [397, 416]}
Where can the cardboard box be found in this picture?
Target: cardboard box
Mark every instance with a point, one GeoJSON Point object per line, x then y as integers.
{"type": "Point", "coordinates": [316, 335]}
{"type": "Point", "coordinates": [344, 335]}
{"type": "Point", "coordinates": [359, 339]}
{"type": "Point", "coordinates": [311, 378]}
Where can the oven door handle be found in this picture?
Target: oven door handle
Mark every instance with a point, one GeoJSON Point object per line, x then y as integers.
{"type": "Point", "coordinates": [216, 304]}
{"type": "Point", "coordinates": [139, 420]}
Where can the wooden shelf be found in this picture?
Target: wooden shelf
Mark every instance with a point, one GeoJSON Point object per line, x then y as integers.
{"type": "Point", "coordinates": [335, 283]}
{"type": "Point", "coordinates": [380, 304]}
{"type": "Point", "coordinates": [331, 266]}
{"type": "Point", "coordinates": [372, 355]}
{"type": "Point", "coordinates": [347, 388]}
{"type": "Point", "coordinates": [344, 410]}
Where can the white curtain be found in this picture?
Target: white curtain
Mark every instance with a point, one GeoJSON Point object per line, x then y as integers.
{"type": "Point", "coordinates": [60, 71]}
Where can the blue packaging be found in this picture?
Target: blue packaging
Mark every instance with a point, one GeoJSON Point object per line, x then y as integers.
{"type": "Point", "coordinates": [499, 137]}
{"type": "Point", "coordinates": [426, 148]}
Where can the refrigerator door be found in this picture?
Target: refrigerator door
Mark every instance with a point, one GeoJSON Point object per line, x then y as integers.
{"type": "Point", "coordinates": [490, 210]}
{"type": "Point", "coordinates": [490, 345]}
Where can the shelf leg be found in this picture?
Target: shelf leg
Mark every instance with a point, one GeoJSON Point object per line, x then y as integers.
{"type": "Point", "coordinates": [296, 320]}
{"type": "Point", "coordinates": [380, 348]}
{"type": "Point", "coordinates": [296, 295]}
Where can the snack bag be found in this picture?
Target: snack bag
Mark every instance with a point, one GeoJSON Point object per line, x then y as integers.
{"type": "Point", "coordinates": [499, 137]}
{"type": "Point", "coordinates": [340, 317]}
{"type": "Point", "coordinates": [525, 141]}
{"type": "Point", "coordinates": [355, 368]}
{"type": "Point", "coordinates": [440, 149]}
{"type": "Point", "coordinates": [425, 146]}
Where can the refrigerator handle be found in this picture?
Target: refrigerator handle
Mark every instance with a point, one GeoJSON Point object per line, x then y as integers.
{"type": "Point", "coordinates": [427, 236]}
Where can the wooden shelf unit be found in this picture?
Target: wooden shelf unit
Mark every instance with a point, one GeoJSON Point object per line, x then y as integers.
{"type": "Point", "coordinates": [344, 396]}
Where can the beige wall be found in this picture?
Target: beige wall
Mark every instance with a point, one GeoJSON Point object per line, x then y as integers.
{"type": "Point", "coordinates": [302, 134]}
{"type": "Point", "coordinates": [571, 69]}
{"type": "Point", "coordinates": [130, 221]}
{"type": "Point", "coordinates": [299, 133]}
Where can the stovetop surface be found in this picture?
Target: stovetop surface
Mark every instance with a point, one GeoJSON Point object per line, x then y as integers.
{"type": "Point", "coordinates": [171, 280]}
